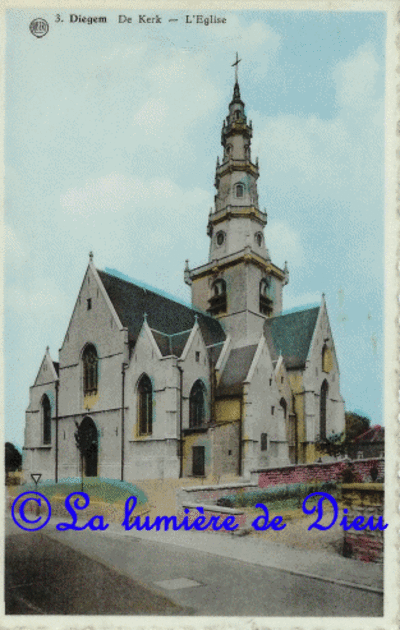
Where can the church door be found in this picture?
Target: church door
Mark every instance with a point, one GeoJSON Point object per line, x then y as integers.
{"type": "Point", "coordinates": [91, 442]}
{"type": "Point", "coordinates": [198, 461]}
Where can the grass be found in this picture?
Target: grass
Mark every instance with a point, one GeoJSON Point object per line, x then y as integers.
{"type": "Point", "coordinates": [285, 497]}
{"type": "Point", "coordinates": [100, 489]}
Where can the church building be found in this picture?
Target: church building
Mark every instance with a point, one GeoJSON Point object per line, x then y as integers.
{"type": "Point", "coordinates": [158, 389]}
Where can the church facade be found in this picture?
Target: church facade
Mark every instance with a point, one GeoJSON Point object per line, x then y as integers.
{"type": "Point", "coordinates": [159, 389]}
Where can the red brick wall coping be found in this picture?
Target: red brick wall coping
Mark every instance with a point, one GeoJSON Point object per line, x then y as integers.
{"type": "Point", "coordinates": [222, 486]}
{"type": "Point", "coordinates": [304, 473]}
{"type": "Point", "coordinates": [369, 460]}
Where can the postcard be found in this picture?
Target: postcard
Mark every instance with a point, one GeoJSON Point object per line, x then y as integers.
{"type": "Point", "coordinates": [200, 315]}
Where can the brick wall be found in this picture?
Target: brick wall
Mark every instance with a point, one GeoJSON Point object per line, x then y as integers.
{"type": "Point", "coordinates": [364, 500]}
{"type": "Point", "coordinates": [306, 473]}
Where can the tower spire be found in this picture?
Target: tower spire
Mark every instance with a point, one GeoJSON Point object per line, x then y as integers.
{"type": "Point", "coordinates": [236, 89]}
{"type": "Point", "coordinates": [236, 66]}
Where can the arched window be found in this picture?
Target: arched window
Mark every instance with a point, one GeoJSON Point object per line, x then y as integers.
{"type": "Point", "coordinates": [46, 419]}
{"type": "Point", "coordinates": [218, 297]}
{"type": "Point", "coordinates": [90, 370]}
{"type": "Point", "coordinates": [322, 410]}
{"type": "Point", "coordinates": [283, 404]}
{"type": "Point", "coordinates": [239, 190]}
{"type": "Point", "coordinates": [196, 405]}
{"type": "Point", "coordinates": [145, 406]}
{"type": "Point", "coordinates": [266, 301]}
{"type": "Point", "coordinates": [228, 150]}
{"type": "Point", "coordinates": [258, 237]}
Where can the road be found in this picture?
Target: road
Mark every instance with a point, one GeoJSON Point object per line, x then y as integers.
{"type": "Point", "coordinates": [103, 573]}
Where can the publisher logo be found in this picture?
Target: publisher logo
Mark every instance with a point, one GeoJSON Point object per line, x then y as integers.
{"type": "Point", "coordinates": [39, 27]}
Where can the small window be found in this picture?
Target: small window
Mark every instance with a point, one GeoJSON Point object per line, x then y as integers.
{"type": "Point", "coordinates": [89, 304]}
{"type": "Point", "coordinates": [145, 406]}
{"type": "Point", "coordinates": [239, 190]}
{"type": "Point", "coordinates": [196, 405]}
{"type": "Point", "coordinates": [266, 301]}
{"type": "Point", "coordinates": [237, 114]}
{"type": "Point", "coordinates": [272, 410]}
{"type": "Point", "coordinates": [197, 357]}
{"type": "Point", "coordinates": [220, 238]}
{"type": "Point", "coordinates": [264, 441]}
{"type": "Point", "coordinates": [270, 382]}
{"type": "Point", "coordinates": [259, 239]}
{"type": "Point", "coordinates": [46, 419]}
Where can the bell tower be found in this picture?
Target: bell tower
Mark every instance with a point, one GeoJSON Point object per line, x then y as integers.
{"type": "Point", "coordinates": [239, 284]}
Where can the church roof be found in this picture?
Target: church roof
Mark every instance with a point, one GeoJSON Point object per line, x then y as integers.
{"type": "Point", "coordinates": [171, 344]}
{"type": "Point", "coordinates": [290, 335]}
{"type": "Point", "coordinates": [165, 317]}
{"type": "Point", "coordinates": [235, 371]}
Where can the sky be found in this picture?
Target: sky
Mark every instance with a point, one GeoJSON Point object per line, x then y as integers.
{"type": "Point", "coordinates": [112, 132]}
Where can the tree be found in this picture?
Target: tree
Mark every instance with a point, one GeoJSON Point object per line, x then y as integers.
{"type": "Point", "coordinates": [356, 425]}
{"type": "Point", "coordinates": [13, 458]}
{"type": "Point", "coordinates": [338, 443]}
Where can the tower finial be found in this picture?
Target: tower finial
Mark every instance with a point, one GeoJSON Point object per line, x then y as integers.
{"type": "Point", "coordinates": [236, 66]}
{"type": "Point", "coordinates": [91, 256]}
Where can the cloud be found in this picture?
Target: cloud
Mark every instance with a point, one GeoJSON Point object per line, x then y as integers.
{"type": "Point", "coordinates": [329, 157]}
{"type": "Point", "coordinates": [355, 79]}
{"type": "Point", "coordinates": [236, 36]}
{"type": "Point", "coordinates": [44, 299]}
{"type": "Point", "coordinates": [113, 192]}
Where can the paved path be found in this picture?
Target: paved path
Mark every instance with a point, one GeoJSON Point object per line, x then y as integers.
{"type": "Point", "coordinates": [198, 573]}
{"type": "Point", "coordinates": [317, 564]}
{"type": "Point", "coordinates": [44, 576]}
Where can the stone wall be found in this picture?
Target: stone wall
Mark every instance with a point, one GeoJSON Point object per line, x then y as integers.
{"type": "Point", "coordinates": [364, 500]}
{"type": "Point", "coordinates": [306, 473]}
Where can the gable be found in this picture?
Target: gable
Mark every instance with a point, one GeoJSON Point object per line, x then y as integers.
{"type": "Point", "coordinates": [93, 320]}
{"type": "Point", "coordinates": [290, 335]}
{"type": "Point", "coordinates": [47, 371]}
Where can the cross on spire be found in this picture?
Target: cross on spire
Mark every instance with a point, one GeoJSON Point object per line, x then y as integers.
{"type": "Point", "coordinates": [236, 66]}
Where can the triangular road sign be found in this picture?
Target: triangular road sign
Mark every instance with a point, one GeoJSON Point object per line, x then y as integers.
{"type": "Point", "coordinates": [36, 477]}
